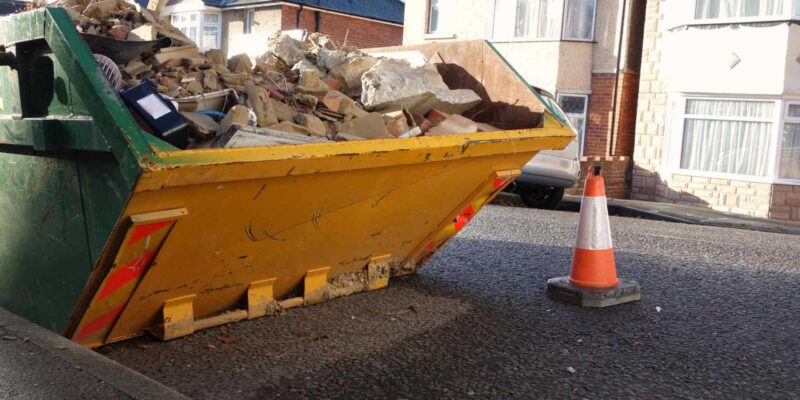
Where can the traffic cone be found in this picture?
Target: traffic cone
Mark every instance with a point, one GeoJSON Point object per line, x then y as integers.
{"type": "Point", "coordinates": [593, 281]}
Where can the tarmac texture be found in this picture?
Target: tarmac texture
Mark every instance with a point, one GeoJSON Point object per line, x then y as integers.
{"type": "Point", "coordinates": [718, 318]}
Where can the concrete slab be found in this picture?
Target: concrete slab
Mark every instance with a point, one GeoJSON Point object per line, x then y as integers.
{"type": "Point", "coordinates": [37, 363]}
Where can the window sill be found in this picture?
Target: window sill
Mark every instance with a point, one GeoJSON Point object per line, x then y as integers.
{"type": "Point", "coordinates": [528, 40]}
{"type": "Point", "coordinates": [734, 177]}
{"type": "Point", "coordinates": [438, 36]}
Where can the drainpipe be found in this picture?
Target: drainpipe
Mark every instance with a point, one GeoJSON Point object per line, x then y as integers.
{"type": "Point", "coordinates": [297, 17]}
{"type": "Point", "coordinates": [316, 21]}
{"type": "Point", "coordinates": [614, 130]}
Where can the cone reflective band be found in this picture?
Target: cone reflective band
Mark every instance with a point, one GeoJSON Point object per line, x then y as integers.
{"type": "Point", "coordinates": [593, 259]}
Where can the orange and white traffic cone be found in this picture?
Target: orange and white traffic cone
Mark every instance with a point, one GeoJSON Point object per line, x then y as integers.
{"type": "Point", "coordinates": [593, 281]}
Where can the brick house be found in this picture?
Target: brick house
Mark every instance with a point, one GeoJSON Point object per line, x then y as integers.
{"type": "Point", "coordinates": [579, 50]}
{"type": "Point", "coordinates": [718, 120]}
{"type": "Point", "coordinates": [238, 26]}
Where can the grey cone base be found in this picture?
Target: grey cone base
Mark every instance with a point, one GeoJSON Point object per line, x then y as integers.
{"type": "Point", "coordinates": [561, 289]}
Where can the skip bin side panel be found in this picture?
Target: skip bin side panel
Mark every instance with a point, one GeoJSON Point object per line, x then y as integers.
{"type": "Point", "coordinates": [44, 258]}
{"type": "Point", "coordinates": [239, 232]}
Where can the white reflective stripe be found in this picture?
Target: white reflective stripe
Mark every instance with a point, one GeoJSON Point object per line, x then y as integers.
{"type": "Point", "coordinates": [593, 230]}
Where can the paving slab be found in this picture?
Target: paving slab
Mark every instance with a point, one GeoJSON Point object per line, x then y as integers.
{"type": "Point", "coordinates": [38, 364]}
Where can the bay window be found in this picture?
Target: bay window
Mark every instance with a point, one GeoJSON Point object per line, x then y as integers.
{"type": "Point", "coordinates": [789, 161]}
{"type": "Point", "coordinates": [745, 139]}
{"type": "Point", "coordinates": [205, 29]}
{"type": "Point", "coordinates": [727, 136]}
{"type": "Point", "coordinates": [745, 9]}
{"type": "Point", "coordinates": [579, 19]}
{"type": "Point", "coordinates": [544, 19]}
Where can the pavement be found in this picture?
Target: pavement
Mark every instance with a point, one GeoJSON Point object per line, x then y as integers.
{"type": "Point", "coordinates": [681, 213]}
{"type": "Point", "coordinates": [38, 364]}
{"type": "Point", "coordinates": [718, 319]}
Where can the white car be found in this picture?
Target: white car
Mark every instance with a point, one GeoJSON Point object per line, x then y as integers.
{"type": "Point", "coordinates": [544, 178]}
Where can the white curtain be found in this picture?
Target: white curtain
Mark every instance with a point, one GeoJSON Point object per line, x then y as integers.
{"type": "Point", "coordinates": [537, 19]}
{"type": "Point", "coordinates": [725, 136]}
{"type": "Point", "coordinates": [441, 15]}
{"type": "Point", "coordinates": [709, 9]}
{"type": "Point", "coordinates": [790, 152]}
{"type": "Point", "coordinates": [579, 19]}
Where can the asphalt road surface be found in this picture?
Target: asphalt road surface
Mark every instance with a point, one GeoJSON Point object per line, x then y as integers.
{"type": "Point", "coordinates": [719, 318]}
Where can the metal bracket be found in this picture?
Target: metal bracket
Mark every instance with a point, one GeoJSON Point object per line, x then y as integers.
{"type": "Point", "coordinates": [315, 288]}
{"type": "Point", "coordinates": [178, 314]}
{"type": "Point", "coordinates": [261, 299]}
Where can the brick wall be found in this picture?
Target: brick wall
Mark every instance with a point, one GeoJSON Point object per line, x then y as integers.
{"type": "Point", "coordinates": [598, 124]}
{"type": "Point", "coordinates": [785, 203]}
{"type": "Point", "coordinates": [650, 111]}
{"type": "Point", "coordinates": [359, 32]}
{"type": "Point", "coordinates": [615, 171]}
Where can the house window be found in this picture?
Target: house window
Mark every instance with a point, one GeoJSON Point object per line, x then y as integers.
{"type": "Point", "coordinates": [544, 19]}
{"type": "Point", "coordinates": [202, 28]}
{"type": "Point", "coordinates": [574, 105]}
{"type": "Point", "coordinates": [579, 19]}
{"type": "Point", "coordinates": [440, 15]}
{"type": "Point", "coordinates": [721, 9]}
{"type": "Point", "coordinates": [727, 136]}
{"type": "Point", "coordinates": [249, 20]}
{"type": "Point", "coordinates": [789, 164]}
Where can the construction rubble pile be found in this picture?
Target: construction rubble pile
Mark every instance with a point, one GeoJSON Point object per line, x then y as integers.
{"type": "Point", "coordinates": [298, 92]}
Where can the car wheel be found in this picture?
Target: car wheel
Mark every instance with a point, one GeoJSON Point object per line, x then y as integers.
{"type": "Point", "coordinates": [544, 197]}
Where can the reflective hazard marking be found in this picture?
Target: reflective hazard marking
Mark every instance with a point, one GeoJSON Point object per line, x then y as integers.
{"type": "Point", "coordinates": [593, 230]}
{"type": "Point", "coordinates": [133, 258]}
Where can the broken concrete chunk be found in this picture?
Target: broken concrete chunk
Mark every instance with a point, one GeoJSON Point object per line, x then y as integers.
{"type": "Point", "coordinates": [393, 84]}
{"type": "Point", "coordinates": [453, 124]}
{"type": "Point", "coordinates": [330, 59]}
{"type": "Point", "coordinates": [309, 78]}
{"type": "Point", "coordinates": [136, 67]}
{"type": "Point", "coordinates": [290, 127]}
{"type": "Point", "coordinates": [313, 124]}
{"type": "Point", "coordinates": [201, 126]}
{"type": "Point", "coordinates": [171, 53]}
{"type": "Point", "coordinates": [216, 56]}
{"type": "Point", "coordinates": [236, 115]}
{"type": "Point", "coordinates": [285, 48]}
{"type": "Point", "coordinates": [350, 72]}
{"type": "Point", "coordinates": [283, 111]}
{"type": "Point", "coordinates": [370, 126]}
{"type": "Point", "coordinates": [259, 101]}
{"type": "Point", "coordinates": [211, 80]}
{"type": "Point", "coordinates": [146, 32]}
{"type": "Point", "coordinates": [194, 87]}
{"type": "Point", "coordinates": [240, 63]}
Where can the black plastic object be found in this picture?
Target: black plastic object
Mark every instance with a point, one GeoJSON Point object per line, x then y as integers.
{"type": "Point", "coordinates": [160, 115]}
{"type": "Point", "coordinates": [122, 51]}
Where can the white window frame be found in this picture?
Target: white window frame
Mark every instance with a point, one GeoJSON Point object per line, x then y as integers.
{"type": "Point", "coordinates": [199, 24]}
{"type": "Point", "coordinates": [784, 119]}
{"type": "Point", "coordinates": [564, 23]}
{"type": "Point", "coordinates": [249, 20]}
{"type": "Point", "coordinates": [585, 96]}
{"type": "Point", "coordinates": [675, 126]}
{"type": "Point", "coordinates": [217, 25]}
{"type": "Point", "coordinates": [559, 37]}
{"type": "Point", "coordinates": [791, 10]}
